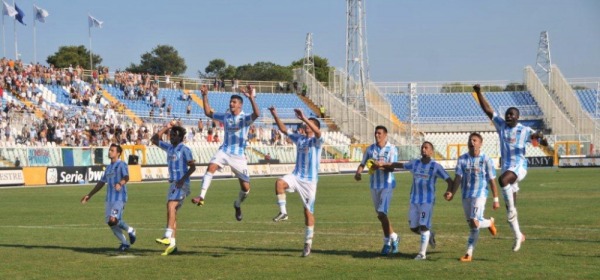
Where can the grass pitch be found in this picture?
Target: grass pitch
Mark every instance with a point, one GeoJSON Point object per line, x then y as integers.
{"type": "Point", "coordinates": [47, 234]}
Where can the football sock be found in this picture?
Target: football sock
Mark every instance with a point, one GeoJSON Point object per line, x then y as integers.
{"type": "Point", "coordinates": [393, 236]}
{"type": "Point", "coordinates": [123, 225]}
{"type": "Point", "coordinates": [473, 236]}
{"type": "Point", "coordinates": [308, 237]}
{"type": "Point", "coordinates": [511, 212]}
{"type": "Point", "coordinates": [424, 242]}
{"type": "Point", "coordinates": [485, 223]}
{"type": "Point", "coordinates": [206, 183]}
{"type": "Point", "coordinates": [241, 197]}
{"type": "Point", "coordinates": [168, 233]}
{"type": "Point", "coordinates": [119, 234]}
{"type": "Point", "coordinates": [173, 243]}
{"type": "Point", "coordinates": [386, 241]}
{"type": "Point", "coordinates": [281, 202]}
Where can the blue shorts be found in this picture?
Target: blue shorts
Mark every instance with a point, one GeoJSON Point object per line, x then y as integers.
{"type": "Point", "coordinates": [178, 194]}
{"type": "Point", "coordinates": [114, 209]}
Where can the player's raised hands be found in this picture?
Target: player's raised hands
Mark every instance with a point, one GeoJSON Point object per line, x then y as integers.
{"type": "Point", "coordinates": [204, 90]}
{"type": "Point", "coordinates": [477, 88]}
{"type": "Point", "coordinates": [299, 114]}
{"type": "Point", "coordinates": [273, 110]}
{"type": "Point", "coordinates": [248, 91]}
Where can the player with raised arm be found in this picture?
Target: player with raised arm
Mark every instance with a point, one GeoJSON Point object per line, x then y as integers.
{"type": "Point", "coordinates": [236, 124]}
{"type": "Point", "coordinates": [425, 172]}
{"type": "Point", "coordinates": [474, 171]}
{"type": "Point", "coordinates": [304, 178]}
{"type": "Point", "coordinates": [513, 139]}
{"type": "Point", "coordinates": [382, 184]}
{"type": "Point", "coordinates": [116, 175]}
{"type": "Point", "coordinates": [181, 166]}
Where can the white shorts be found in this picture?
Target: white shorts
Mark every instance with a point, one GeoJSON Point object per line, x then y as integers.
{"type": "Point", "coordinates": [474, 208]}
{"type": "Point", "coordinates": [520, 172]}
{"type": "Point", "coordinates": [114, 209]}
{"type": "Point", "coordinates": [306, 189]}
{"type": "Point", "coordinates": [238, 164]}
{"type": "Point", "coordinates": [382, 199]}
{"type": "Point", "coordinates": [419, 214]}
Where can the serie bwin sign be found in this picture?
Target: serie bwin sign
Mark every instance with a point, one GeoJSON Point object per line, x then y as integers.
{"type": "Point", "coordinates": [65, 175]}
{"type": "Point", "coordinates": [94, 174]}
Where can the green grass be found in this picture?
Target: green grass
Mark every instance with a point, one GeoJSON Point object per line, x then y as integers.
{"type": "Point", "coordinates": [47, 233]}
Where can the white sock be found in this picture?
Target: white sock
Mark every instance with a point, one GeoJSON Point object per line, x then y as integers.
{"type": "Point", "coordinates": [206, 184]}
{"type": "Point", "coordinates": [168, 233]}
{"type": "Point", "coordinates": [507, 193]}
{"type": "Point", "coordinates": [393, 236]}
{"type": "Point", "coordinates": [173, 243]}
{"type": "Point", "coordinates": [281, 202]}
{"type": "Point", "coordinates": [485, 223]}
{"type": "Point", "coordinates": [473, 236]}
{"type": "Point", "coordinates": [241, 197]}
{"type": "Point", "coordinates": [119, 234]}
{"type": "Point", "coordinates": [511, 211]}
{"type": "Point", "coordinates": [386, 241]}
{"type": "Point", "coordinates": [308, 237]}
{"type": "Point", "coordinates": [424, 242]}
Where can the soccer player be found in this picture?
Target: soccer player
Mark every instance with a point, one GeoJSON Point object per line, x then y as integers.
{"type": "Point", "coordinates": [236, 124]}
{"type": "Point", "coordinates": [513, 138]}
{"type": "Point", "coordinates": [425, 172]}
{"type": "Point", "coordinates": [181, 166]}
{"type": "Point", "coordinates": [382, 183]}
{"type": "Point", "coordinates": [305, 175]}
{"type": "Point", "coordinates": [474, 171]}
{"type": "Point", "coordinates": [116, 176]}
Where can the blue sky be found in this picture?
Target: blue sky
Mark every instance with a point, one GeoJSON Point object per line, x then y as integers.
{"type": "Point", "coordinates": [408, 40]}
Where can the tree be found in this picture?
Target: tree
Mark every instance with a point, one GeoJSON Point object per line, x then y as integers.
{"type": "Point", "coordinates": [163, 59]}
{"type": "Point", "coordinates": [515, 87]}
{"type": "Point", "coordinates": [264, 71]}
{"type": "Point", "coordinates": [322, 68]}
{"type": "Point", "coordinates": [73, 55]}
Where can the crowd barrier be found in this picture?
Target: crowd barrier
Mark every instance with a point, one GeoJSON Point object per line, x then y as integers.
{"type": "Point", "coordinates": [42, 176]}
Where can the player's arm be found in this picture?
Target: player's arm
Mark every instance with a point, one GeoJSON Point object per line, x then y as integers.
{"type": "Point", "coordinates": [157, 136]}
{"type": "Point", "coordinates": [452, 187]}
{"type": "Point", "coordinates": [359, 170]}
{"type": "Point", "coordinates": [540, 137]}
{"type": "Point", "coordinates": [191, 168]}
{"type": "Point", "coordinates": [394, 165]}
{"type": "Point", "coordinates": [483, 103]}
{"type": "Point", "coordinates": [278, 121]}
{"type": "Point", "coordinates": [250, 96]}
{"type": "Point", "coordinates": [88, 196]}
{"type": "Point", "coordinates": [494, 189]}
{"type": "Point", "coordinates": [302, 117]}
{"type": "Point", "coordinates": [207, 110]}
{"type": "Point", "coordinates": [120, 184]}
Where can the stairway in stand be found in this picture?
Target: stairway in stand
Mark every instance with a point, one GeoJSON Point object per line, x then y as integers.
{"type": "Point", "coordinates": [330, 124]}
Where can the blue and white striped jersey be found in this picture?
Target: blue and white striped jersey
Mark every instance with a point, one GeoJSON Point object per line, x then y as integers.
{"type": "Point", "coordinates": [177, 159]}
{"type": "Point", "coordinates": [512, 142]}
{"type": "Point", "coordinates": [424, 178]}
{"type": "Point", "coordinates": [381, 179]}
{"type": "Point", "coordinates": [308, 156]}
{"type": "Point", "coordinates": [113, 174]}
{"type": "Point", "coordinates": [476, 172]}
{"type": "Point", "coordinates": [236, 132]}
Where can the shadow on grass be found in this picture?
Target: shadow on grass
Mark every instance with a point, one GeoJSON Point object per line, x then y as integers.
{"type": "Point", "coordinates": [106, 251]}
{"type": "Point", "coordinates": [296, 252]}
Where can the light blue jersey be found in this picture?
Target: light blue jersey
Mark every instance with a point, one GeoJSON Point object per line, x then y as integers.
{"type": "Point", "coordinates": [177, 159]}
{"type": "Point", "coordinates": [476, 172]}
{"type": "Point", "coordinates": [113, 174]}
{"type": "Point", "coordinates": [424, 177]}
{"type": "Point", "coordinates": [512, 143]}
{"type": "Point", "coordinates": [236, 131]}
{"type": "Point", "coordinates": [308, 156]}
{"type": "Point", "coordinates": [381, 179]}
